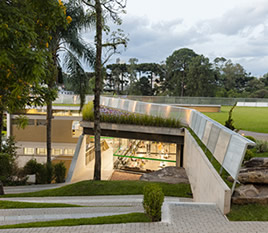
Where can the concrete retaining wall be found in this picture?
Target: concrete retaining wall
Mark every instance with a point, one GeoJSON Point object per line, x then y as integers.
{"type": "Point", "coordinates": [80, 171]}
{"type": "Point", "coordinates": [207, 186]}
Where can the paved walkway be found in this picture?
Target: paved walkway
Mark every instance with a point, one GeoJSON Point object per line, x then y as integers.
{"type": "Point", "coordinates": [178, 216]}
{"type": "Point", "coordinates": [258, 136]}
{"type": "Point", "coordinates": [31, 188]}
{"type": "Point", "coordinates": [96, 206]}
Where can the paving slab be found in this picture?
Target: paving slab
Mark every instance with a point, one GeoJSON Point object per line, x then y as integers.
{"type": "Point", "coordinates": [178, 216]}
{"type": "Point", "coordinates": [31, 188]}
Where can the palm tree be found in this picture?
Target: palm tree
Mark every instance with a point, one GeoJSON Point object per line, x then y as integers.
{"type": "Point", "coordinates": [74, 48]}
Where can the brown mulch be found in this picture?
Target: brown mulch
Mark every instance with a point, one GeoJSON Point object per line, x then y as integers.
{"type": "Point", "coordinates": [125, 176]}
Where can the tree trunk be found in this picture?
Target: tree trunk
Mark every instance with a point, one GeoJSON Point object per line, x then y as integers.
{"type": "Point", "coordinates": [49, 129]}
{"type": "Point", "coordinates": [1, 188]}
{"type": "Point", "coordinates": [1, 127]}
{"type": "Point", "coordinates": [182, 84]}
{"type": "Point", "coordinates": [49, 120]}
{"type": "Point", "coordinates": [98, 72]}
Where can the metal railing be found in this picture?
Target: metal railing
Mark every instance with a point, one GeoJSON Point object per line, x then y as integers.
{"type": "Point", "coordinates": [74, 99]}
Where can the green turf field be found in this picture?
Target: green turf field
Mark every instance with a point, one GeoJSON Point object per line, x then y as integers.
{"type": "Point", "coordinates": [246, 118]}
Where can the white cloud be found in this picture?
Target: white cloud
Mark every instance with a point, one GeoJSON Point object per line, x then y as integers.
{"type": "Point", "coordinates": [236, 32]}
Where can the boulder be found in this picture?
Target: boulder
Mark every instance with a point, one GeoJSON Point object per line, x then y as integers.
{"type": "Point", "coordinates": [31, 179]}
{"type": "Point", "coordinates": [246, 194]}
{"type": "Point", "coordinates": [253, 176]}
{"type": "Point", "coordinates": [1, 188]}
{"type": "Point", "coordinates": [172, 175]}
{"type": "Point", "coordinates": [246, 191]}
{"type": "Point", "coordinates": [257, 162]}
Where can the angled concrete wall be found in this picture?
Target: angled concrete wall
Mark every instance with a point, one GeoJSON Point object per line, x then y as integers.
{"type": "Point", "coordinates": [80, 171]}
{"type": "Point", "coordinates": [207, 186]}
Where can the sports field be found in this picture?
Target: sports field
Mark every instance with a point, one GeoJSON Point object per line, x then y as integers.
{"type": "Point", "coordinates": [246, 118]}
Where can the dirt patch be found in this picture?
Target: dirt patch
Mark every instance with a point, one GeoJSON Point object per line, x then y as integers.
{"type": "Point", "coordinates": [172, 175]}
{"type": "Point", "coordinates": [125, 176]}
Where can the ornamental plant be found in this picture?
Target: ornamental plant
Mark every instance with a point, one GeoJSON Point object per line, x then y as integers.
{"type": "Point", "coordinates": [123, 117]}
{"type": "Point", "coordinates": [152, 201]}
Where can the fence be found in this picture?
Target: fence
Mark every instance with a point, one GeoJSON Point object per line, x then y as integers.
{"type": "Point", "coordinates": [74, 99]}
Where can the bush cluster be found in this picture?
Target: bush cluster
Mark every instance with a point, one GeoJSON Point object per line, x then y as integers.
{"type": "Point", "coordinates": [44, 173]}
{"type": "Point", "coordinates": [10, 174]}
{"type": "Point", "coordinates": [249, 155]}
{"type": "Point", "coordinates": [251, 138]}
{"type": "Point", "coordinates": [129, 118]}
{"type": "Point", "coordinates": [152, 201]}
{"type": "Point", "coordinates": [261, 146]}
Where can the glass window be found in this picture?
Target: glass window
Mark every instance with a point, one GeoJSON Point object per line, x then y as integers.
{"type": "Point", "coordinates": [28, 151]}
{"type": "Point", "coordinates": [41, 151]}
{"type": "Point", "coordinates": [56, 151]}
{"type": "Point", "coordinates": [76, 129]}
{"type": "Point", "coordinates": [69, 151]}
{"type": "Point", "coordinates": [40, 122]}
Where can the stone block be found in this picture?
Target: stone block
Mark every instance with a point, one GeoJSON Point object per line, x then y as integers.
{"type": "Point", "coordinates": [31, 179]}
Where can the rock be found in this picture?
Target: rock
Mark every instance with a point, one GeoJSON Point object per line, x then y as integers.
{"type": "Point", "coordinates": [251, 200]}
{"type": "Point", "coordinates": [257, 162]}
{"type": "Point", "coordinates": [253, 176]}
{"type": "Point", "coordinates": [246, 191]}
{"type": "Point", "coordinates": [31, 179]}
{"type": "Point", "coordinates": [246, 194]}
{"type": "Point", "coordinates": [1, 188]}
{"type": "Point", "coordinates": [172, 175]}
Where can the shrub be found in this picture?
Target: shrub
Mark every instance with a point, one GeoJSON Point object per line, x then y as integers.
{"type": "Point", "coordinates": [59, 172]}
{"type": "Point", "coordinates": [31, 167]}
{"type": "Point", "coordinates": [41, 174]}
{"type": "Point", "coordinates": [261, 146]}
{"type": "Point", "coordinates": [88, 111]}
{"type": "Point", "coordinates": [230, 122]}
{"type": "Point", "coordinates": [251, 138]}
{"type": "Point", "coordinates": [152, 201]}
{"type": "Point", "coordinates": [50, 172]}
{"type": "Point", "coordinates": [124, 117]}
{"type": "Point", "coordinates": [6, 168]}
{"type": "Point", "coordinates": [9, 147]}
{"type": "Point", "coordinates": [249, 155]}
{"type": "Point", "coordinates": [40, 170]}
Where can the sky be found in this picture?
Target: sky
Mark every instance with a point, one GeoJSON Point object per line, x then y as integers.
{"type": "Point", "coordinates": [234, 29]}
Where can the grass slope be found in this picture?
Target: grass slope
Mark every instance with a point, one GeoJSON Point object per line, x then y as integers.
{"type": "Point", "coordinates": [23, 205]}
{"type": "Point", "coordinates": [250, 212]}
{"type": "Point", "coordinates": [245, 118]}
{"type": "Point", "coordinates": [93, 188]}
{"type": "Point", "coordinates": [122, 218]}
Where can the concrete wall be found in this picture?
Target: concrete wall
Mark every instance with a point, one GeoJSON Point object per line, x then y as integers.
{"type": "Point", "coordinates": [207, 186]}
{"type": "Point", "coordinates": [80, 171]}
{"type": "Point", "coordinates": [78, 164]}
{"type": "Point", "coordinates": [61, 132]}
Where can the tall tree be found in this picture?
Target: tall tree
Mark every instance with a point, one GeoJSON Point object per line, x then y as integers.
{"type": "Point", "coordinates": [103, 10]}
{"type": "Point", "coordinates": [177, 67]}
{"type": "Point", "coordinates": [25, 30]}
{"type": "Point", "coordinates": [67, 40]}
{"type": "Point", "coordinates": [200, 78]}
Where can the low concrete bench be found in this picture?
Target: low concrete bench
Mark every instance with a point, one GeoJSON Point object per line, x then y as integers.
{"type": "Point", "coordinates": [200, 107]}
{"type": "Point", "coordinates": [252, 104]}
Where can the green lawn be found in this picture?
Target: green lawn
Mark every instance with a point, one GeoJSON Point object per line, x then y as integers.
{"type": "Point", "coordinates": [93, 188]}
{"type": "Point", "coordinates": [22, 205]}
{"type": "Point", "coordinates": [122, 218]}
{"type": "Point", "coordinates": [250, 212]}
{"type": "Point", "coordinates": [246, 118]}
